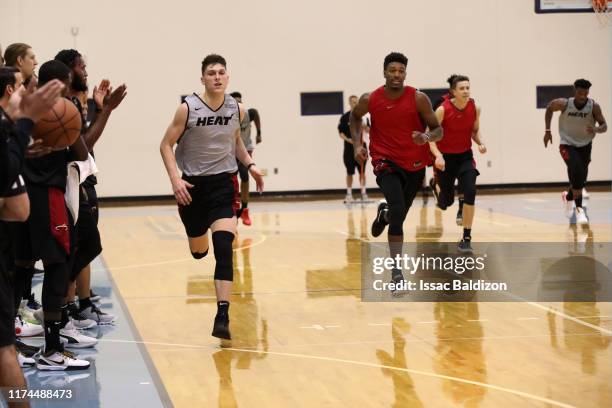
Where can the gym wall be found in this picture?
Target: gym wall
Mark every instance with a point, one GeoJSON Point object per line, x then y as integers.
{"type": "Point", "coordinates": [276, 50]}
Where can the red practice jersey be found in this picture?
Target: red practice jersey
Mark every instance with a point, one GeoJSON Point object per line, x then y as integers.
{"type": "Point", "coordinates": [458, 126]}
{"type": "Point", "coordinates": [393, 121]}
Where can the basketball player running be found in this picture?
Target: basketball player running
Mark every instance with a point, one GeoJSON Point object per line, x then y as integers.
{"type": "Point", "coordinates": [398, 146]}
{"type": "Point", "coordinates": [348, 155]}
{"type": "Point", "coordinates": [576, 131]}
{"type": "Point", "coordinates": [245, 133]}
{"type": "Point", "coordinates": [459, 117]}
{"type": "Point", "coordinates": [207, 130]}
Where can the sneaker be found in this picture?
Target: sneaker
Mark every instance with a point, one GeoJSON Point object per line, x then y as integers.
{"type": "Point", "coordinates": [568, 205]}
{"type": "Point", "coordinates": [364, 197]}
{"type": "Point", "coordinates": [465, 246]}
{"type": "Point", "coordinates": [26, 313]}
{"type": "Point", "coordinates": [79, 320]}
{"type": "Point", "coordinates": [26, 349]}
{"type": "Point", "coordinates": [379, 223]}
{"type": "Point", "coordinates": [221, 327]}
{"type": "Point", "coordinates": [39, 315]}
{"type": "Point", "coordinates": [581, 218]}
{"type": "Point", "coordinates": [24, 361]}
{"type": "Point", "coordinates": [93, 313]}
{"type": "Point", "coordinates": [348, 199]}
{"type": "Point", "coordinates": [246, 220]}
{"type": "Point", "coordinates": [59, 361]}
{"type": "Point", "coordinates": [25, 329]}
{"type": "Point", "coordinates": [459, 217]}
{"type": "Point", "coordinates": [434, 191]}
{"type": "Point", "coordinates": [396, 277]}
{"type": "Point", "coordinates": [94, 297]}
{"type": "Point", "coordinates": [70, 337]}
{"type": "Point", "coordinates": [32, 302]}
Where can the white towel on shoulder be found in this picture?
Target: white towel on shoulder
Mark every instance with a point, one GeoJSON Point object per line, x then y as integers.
{"type": "Point", "coordinates": [78, 171]}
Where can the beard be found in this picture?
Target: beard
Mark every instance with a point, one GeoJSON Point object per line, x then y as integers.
{"type": "Point", "coordinates": [78, 84]}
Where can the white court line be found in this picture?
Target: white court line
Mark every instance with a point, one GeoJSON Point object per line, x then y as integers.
{"type": "Point", "coordinates": [528, 318]}
{"type": "Point", "coordinates": [172, 261]}
{"type": "Point", "coordinates": [572, 318]}
{"type": "Point", "coordinates": [351, 235]}
{"type": "Point", "coordinates": [378, 366]}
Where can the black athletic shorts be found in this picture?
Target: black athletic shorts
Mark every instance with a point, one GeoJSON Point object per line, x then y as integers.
{"type": "Point", "coordinates": [49, 232]}
{"type": "Point", "coordinates": [7, 309]}
{"type": "Point", "coordinates": [577, 160]}
{"type": "Point", "coordinates": [212, 198]}
{"type": "Point", "coordinates": [242, 169]}
{"type": "Point", "coordinates": [349, 161]}
{"type": "Point", "coordinates": [456, 165]}
{"type": "Point", "coordinates": [88, 243]}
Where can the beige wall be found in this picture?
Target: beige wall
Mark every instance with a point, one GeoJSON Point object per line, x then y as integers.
{"type": "Point", "coordinates": [276, 50]}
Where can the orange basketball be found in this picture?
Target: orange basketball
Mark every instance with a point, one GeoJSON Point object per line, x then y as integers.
{"type": "Point", "coordinates": [61, 126]}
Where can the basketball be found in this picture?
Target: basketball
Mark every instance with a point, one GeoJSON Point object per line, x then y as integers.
{"type": "Point", "coordinates": [60, 126]}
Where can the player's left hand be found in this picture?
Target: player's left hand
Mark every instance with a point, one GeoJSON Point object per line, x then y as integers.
{"type": "Point", "coordinates": [114, 98]}
{"type": "Point", "coordinates": [482, 148]}
{"type": "Point", "coordinates": [254, 171]}
{"type": "Point", "coordinates": [419, 138]}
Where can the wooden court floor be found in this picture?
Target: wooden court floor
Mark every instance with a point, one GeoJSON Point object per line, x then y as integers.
{"type": "Point", "coordinates": [303, 338]}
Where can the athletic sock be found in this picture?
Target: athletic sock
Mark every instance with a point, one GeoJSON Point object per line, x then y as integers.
{"type": "Point", "coordinates": [245, 204]}
{"type": "Point", "coordinates": [467, 234]}
{"type": "Point", "coordinates": [52, 337]}
{"type": "Point", "coordinates": [223, 307]}
{"type": "Point", "coordinates": [84, 303]}
{"type": "Point", "coordinates": [570, 195]}
{"type": "Point", "coordinates": [349, 191]}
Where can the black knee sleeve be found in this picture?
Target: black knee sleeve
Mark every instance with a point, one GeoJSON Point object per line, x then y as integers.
{"type": "Point", "coordinates": [199, 255]}
{"type": "Point", "coordinates": [55, 287]}
{"type": "Point", "coordinates": [222, 243]}
{"type": "Point", "coordinates": [396, 215]}
{"type": "Point", "coordinates": [467, 184]}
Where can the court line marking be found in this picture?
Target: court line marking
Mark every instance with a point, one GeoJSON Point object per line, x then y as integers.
{"type": "Point", "coordinates": [172, 261]}
{"type": "Point", "coordinates": [380, 366]}
{"type": "Point", "coordinates": [572, 318]}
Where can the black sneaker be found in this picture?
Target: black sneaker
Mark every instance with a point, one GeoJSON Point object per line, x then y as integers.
{"type": "Point", "coordinates": [459, 218]}
{"type": "Point", "coordinates": [396, 277]}
{"type": "Point", "coordinates": [379, 223]}
{"type": "Point", "coordinates": [434, 192]}
{"type": "Point", "coordinates": [221, 327]}
{"type": "Point", "coordinates": [465, 246]}
{"type": "Point", "coordinates": [26, 349]}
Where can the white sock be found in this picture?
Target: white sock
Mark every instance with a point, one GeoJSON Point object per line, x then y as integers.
{"type": "Point", "coordinates": [363, 190]}
{"type": "Point", "coordinates": [349, 191]}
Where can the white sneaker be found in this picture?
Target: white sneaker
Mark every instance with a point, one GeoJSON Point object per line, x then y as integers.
{"type": "Point", "coordinates": [364, 197]}
{"type": "Point", "coordinates": [39, 315]}
{"type": "Point", "coordinates": [26, 313]}
{"type": "Point", "coordinates": [585, 194]}
{"type": "Point", "coordinates": [581, 218]}
{"type": "Point", "coordinates": [80, 321]}
{"type": "Point", "coordinates": [70, 337]}
{"type": "Point", "coordinates": [25, 329]}
{"type": "Point", "coordinates": [348, 199]}
{"type": "Point", "coordinates": [568, 205]}
{"type": "Point", "coordinates": [93, 313]}
{"type": "Point", "coordinates": [25, 361]}
{"type": "Point", "coordinates": [59, 361]}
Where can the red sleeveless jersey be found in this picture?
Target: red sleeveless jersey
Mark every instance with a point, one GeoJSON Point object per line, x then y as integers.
{"type": "Point", "coordinates": [458, 126]}
{"type": "Point", "coordinates": [393, 121]}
